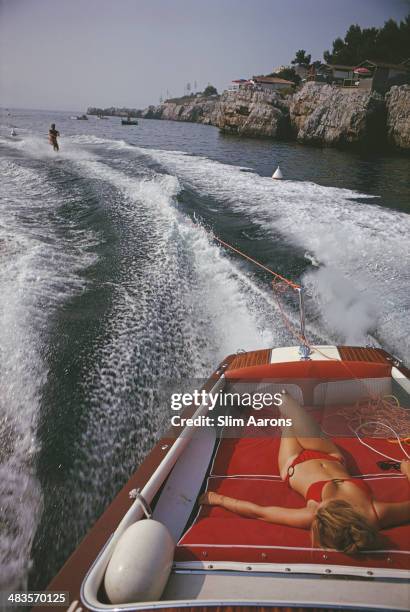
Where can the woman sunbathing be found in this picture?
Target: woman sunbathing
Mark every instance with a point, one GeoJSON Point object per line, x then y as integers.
{"type": "Point", "coordinates": [340, 511]}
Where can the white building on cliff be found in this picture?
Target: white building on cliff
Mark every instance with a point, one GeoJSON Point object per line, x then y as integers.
{"type": "Point", "coordinates": [238, 84]}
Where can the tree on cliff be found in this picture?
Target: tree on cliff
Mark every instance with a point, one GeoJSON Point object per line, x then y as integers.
{"type": "Point", "coordinates": [391, 43]}
{"type": "Point", "coordinates": [210, 90]}
{"type": "Point", "coordinates": [301, 59]}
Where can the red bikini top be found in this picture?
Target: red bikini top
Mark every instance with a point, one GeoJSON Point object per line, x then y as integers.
{"type": "Point", "coordinates": [315, 489]}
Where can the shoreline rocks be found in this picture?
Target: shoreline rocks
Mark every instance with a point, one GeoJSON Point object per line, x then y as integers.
{"type": "Point", "coordinates": [249, 113]}
{"type": "Point", "coordinates": [398, 117]}
{"type": "Point", "coordinates": [327, 115]}
{"type": "Point", "coordinates": [317, 114]}
{"type": "Point", "coordinates": [192, 109]}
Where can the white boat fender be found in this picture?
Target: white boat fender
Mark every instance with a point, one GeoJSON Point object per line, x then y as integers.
{"type": "Point", "coordinates": [277, 174]}
{"type": "Point", "coordinates": [140, 564]}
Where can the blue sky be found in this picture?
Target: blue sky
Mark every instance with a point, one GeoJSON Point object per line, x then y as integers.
{"type": "Point", "coordinates": [69, 54]}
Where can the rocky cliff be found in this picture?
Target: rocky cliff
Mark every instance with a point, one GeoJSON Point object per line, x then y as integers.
{"type": "Point", "coordinates": [193, 109]}
{"type": "Point", "coordinates": [398, 116]}
{"type": "Point", "coordinates": [323, 114]}
{"type": "Point", "coordinates": [317, 114]}
{"type": "Point", "coordinates": [250, 113]}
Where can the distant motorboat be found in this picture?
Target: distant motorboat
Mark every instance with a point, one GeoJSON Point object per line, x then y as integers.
{"type": "Point", "coordinates": [80, 118]}
{"type": "Point", "coordinates": [13, 132]}
{"type": "Point", "coordinates": [129, 121]}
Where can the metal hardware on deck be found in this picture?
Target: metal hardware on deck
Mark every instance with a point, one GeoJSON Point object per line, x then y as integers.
{"type": "Point", "coordinates": [135, 494]}
{"type": "Point", "coordinates": [304, 349]}
{"type": "Point", "coordinates": [221, 369]}
{"type": "Point", "coordinates": [304, 352]}
{"type": "Point", "coordinates": [394, 360]}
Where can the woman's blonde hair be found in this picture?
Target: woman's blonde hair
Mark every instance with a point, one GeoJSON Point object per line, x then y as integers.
{"type": "Point", "coordinates": [337, 525]}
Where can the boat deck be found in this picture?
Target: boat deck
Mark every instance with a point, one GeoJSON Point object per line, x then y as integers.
{"type": "Point", "coordinates": [252, 358]}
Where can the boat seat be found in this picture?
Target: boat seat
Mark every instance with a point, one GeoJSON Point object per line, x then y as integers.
{"type": "Point", "coordinates": [350, 391]}
{"type": "Point", "coordinates": [316, 392]}
{"type": "Point", "coordinates": [247, 468]}
{"type": "Point", "coordinates": [309, 375]}
{"type": "Point", "coordinates": [266, 386]}
{"type": "Point", "coordinates": [218, 535]}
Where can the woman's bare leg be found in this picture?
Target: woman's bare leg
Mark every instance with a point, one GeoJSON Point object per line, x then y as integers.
{"type": "Point", "coordinates": [308, 433]}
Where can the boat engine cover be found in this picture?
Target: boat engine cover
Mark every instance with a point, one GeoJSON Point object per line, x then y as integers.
{"type": "Point", "coordinates": [140, 564]}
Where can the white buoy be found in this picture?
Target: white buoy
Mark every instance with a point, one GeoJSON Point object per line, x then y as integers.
{"type": "Point", "coordinates": [277, 174]}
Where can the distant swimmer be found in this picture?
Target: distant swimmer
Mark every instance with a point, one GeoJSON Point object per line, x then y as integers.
{"type": "Point", "coordinates": [52, 137]}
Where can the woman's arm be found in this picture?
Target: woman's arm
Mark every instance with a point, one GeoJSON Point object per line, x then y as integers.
{"type": "Point", "coordinates": [392, 514]}
{"type": "Point", "coordinates": [293, 517]}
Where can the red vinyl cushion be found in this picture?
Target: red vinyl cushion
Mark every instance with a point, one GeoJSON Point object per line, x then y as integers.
{"type": "Point", "coordinates": [219, 535]}
{"type": "Point", "coordinates": [247, 456]}
{"type": "Point", "coordinates": [247, 468]}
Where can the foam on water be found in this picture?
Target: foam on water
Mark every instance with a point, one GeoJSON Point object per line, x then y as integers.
{"type": "Point", "coordinates": [37, 271]}
{"type": "Point", "coordinates": [363, 249]}
{"type": "Point", "coordinates": [179, 306]}
{"type": "Point", "coordinates": [152, 199]}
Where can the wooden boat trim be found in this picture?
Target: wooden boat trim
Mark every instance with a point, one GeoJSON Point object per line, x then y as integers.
{"type": "Point", "coordinates": [250, 358]}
